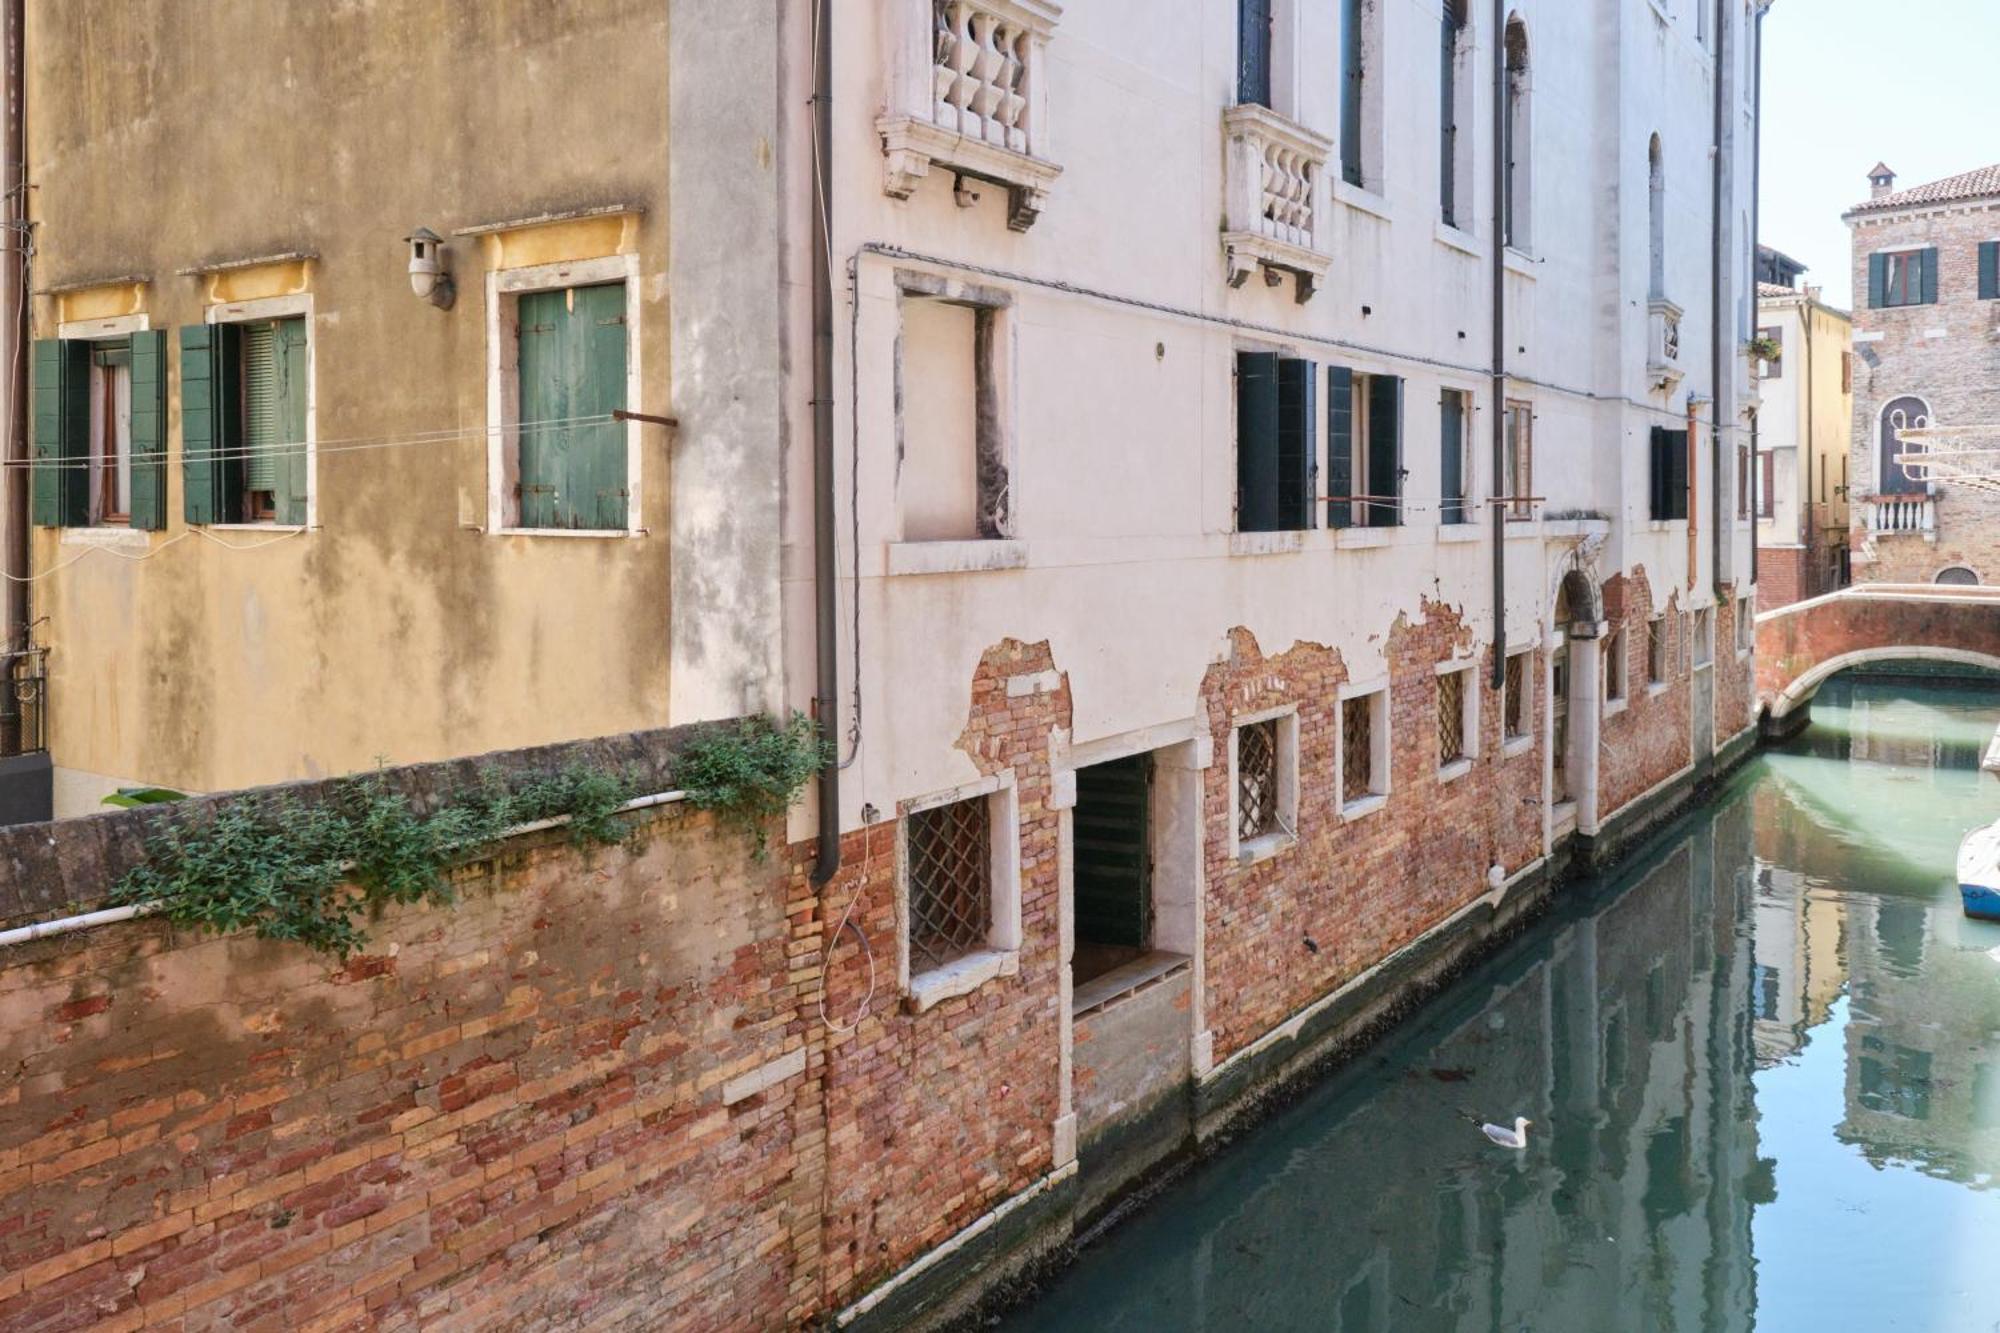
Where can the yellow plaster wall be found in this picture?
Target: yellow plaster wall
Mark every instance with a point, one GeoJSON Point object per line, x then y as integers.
{"type": "Point", "coordinates": [394, 630]}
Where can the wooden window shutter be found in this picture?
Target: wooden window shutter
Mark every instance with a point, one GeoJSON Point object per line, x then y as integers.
{"type": "Point", "coordinates": [1339, 446]}
{"type": "Point", "coordinates": [1352, 72]}
{"type": "Point", "coordinates": [60, 496]}
{"type": "Point", "coordinates": [289, 461]}
{"type": "Point", "coordinates": [1928, 296]}
{"type": "Point", "coordinates": [1253, 52]}
{"type": "Point", "coordinates": [1451, 457]}
{"type": "Point", "coordinates": [1385, 450]}
{"type": "Point", "coordinates": [1989, 270]}
{"type": "Point", "coordinates": [149, 430]}
{"type": "Point", "coordinates": [1656, 475]}
{"type": "Point", "coordinates": [1256, 442]}
{"type": "Point", "coordinates": [1878, 280]}
{"type": "Point", "coordinates": [1767, 498]}
{"type": "Point", "coordinates": [1295, 442]}
{"type": "Point", "coordinates": [260, 407]}
{"type": "Point", "coordinates": [1677, 455]}
{"type": "Point", "coordinates": [211, 462]}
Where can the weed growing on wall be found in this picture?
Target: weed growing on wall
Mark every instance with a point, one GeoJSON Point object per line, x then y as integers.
{"type": "Point", "coordinates": [308, 872]}
{"type": "Point", "coordinates": [750, 773]}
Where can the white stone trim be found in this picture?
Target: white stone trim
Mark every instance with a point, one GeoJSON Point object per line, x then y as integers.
{"type": "Point", "coordinates": [296, 304]}
{"type": "Point", "coordinates": [767, 1075]}
{"type": "Point", "coordinates": [1270, 844]}
{"type": "Point", "coordinates": [955, 557]}
{"type": "Point", "coordinates": [1002, 956]}
{"type": "Point", "coordinates": [1801, 690]}
{"type": "Point", "coordinates": [93, 330]}
{"type": "Point", "coordinates": [1381, 759]}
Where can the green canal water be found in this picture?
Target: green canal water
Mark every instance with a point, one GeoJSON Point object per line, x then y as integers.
{"type": "Point", "coordinates": [1763, 1064]}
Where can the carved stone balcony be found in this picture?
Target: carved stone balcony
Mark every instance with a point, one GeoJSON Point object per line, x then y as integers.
{"type": "Point", "coordinates": [1901, 515]}
{"type": "Point", "coordinates": [968, 92]}
{"type": "Point", "coordinates": [1663, 344]}
{"type": "Point", "coordinates": [1274, 181]}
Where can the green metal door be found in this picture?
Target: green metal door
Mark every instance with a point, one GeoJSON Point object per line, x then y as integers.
{"type": "Point", "coordinates": [572, 366]}
{"type": "Point", "coordinates": [1114, 899]}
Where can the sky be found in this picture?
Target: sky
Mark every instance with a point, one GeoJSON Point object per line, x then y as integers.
{"type": "Point", "coordinates": [1848, 83]}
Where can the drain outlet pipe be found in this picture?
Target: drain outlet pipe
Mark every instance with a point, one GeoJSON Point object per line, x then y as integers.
{"type": "Point", "coordinates": [14, 483]}
{"type": "Point", "coordinates": [825, 560]}
{"type": "Point", "coordinates": [1500, 140]}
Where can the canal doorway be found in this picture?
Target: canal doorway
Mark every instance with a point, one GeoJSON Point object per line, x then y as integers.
{"type": "Point", "coordinates": [1113, 866]}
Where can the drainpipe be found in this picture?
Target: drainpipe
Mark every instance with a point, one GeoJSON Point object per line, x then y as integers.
{"type": "Point", "coordinates": [1756, 190]}
{"type": "Point", "coordinates": [825, 564]}
{"type": "Point", "coordinates": [1499, 341]}
{"type": "Point", "coordinates": [13, 353]}
{"type": "Point", "coordinates": [1721, 343]}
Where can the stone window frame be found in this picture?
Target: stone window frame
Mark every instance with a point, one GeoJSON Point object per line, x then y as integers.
{"type": "Point", "coordinates": [1002, 955]}
{"type": "Point", "coordinates": [1250, 851]}
{"type": "Point", "coordinates": [1376, 691]}
{"type": "Point", "coordinates": [1907, 252]}
{"type": "Point", "coordinates": [99, 530]}
{"type": "Point", "coordinates": [995, 395]}
{"type": "Point", "coordinates": [1468, 717]}
{"type": "Point", "coordinates": [1875, 452]}
{"type": "Point", "coordinates": [1746, 616]}
{"type": "Point", "coordinates": [1657, 668]}
{"type": "Point", "coordinates": [1513, 742]}
{"type": "Point", "coordinates": [1701, 638]}
{"type": "Point", "coordinates": [1616, 669]}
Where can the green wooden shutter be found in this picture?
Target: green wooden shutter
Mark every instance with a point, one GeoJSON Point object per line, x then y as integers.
{"type": "Point", "coordinates": [1989, 270]}
{"type": "Point", "coordinates": [290, 460]}
{"type": "Point", "coordinates": [1660, 476]}
{"type": "Point", "coordinates": [1113, 894]}
{"type": "Point", "coordinates": [1677, 479]}
{"type": "Point", "coordinates": [1253, 52]}
{"type": "Point", "coordinates": [597, 452]}
{"type": "Point", "coordinates": [60, 494]}
{"type": "Point", "coordinates": [211, 429]}
{"type": "Point", "coordinates": [1295, 442]}
{"type": "Point", "coordinates": [1353, 70]}
{"type": "Point", "coordinates": [1339, 446]}
{"type": "Point", "coordinates": [572, 364]}
{"type": "Point", "coordinates": [1451, 457]}
{"type": "Point", "coordinates": [1878, 281]}
{"type": "Point", "coordinates": [149, 430]}
{"type": "Point", "coordinates": [260, 407]}
{"type": "Point", "coordinates": [1385, 450]}
{"type": "Point", "coordinates": [1256, 442]}
{"type": "Point", "coordinates": [1929, 294]}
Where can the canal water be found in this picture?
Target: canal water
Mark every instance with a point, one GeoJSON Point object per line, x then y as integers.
{"type": "Point", "coordinates": [1763, 1065]}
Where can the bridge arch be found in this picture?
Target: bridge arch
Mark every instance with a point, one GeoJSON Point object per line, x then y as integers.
{"type": "Point", "coordinates": [1802, 688]}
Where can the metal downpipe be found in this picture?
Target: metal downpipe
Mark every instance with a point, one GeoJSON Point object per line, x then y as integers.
{"type": "Point", "coordinates": [1500, 139]}
{"type": "Point", "coordinates": [14, 482]}
{"type": "Point", "coordinates": [825, 561]}
{"type": "Point", "coordinates": [1719, 320]}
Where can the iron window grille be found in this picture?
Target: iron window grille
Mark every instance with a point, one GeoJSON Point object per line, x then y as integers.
{"type": "Point", "coordinates": [1257, 779]}
{"type": "Point", "coordinates": [1656, 650]}
{"type": "Point", "coordinates": [1357, 748]}
{"type": "Point", "coordinates": [1517, 696]}
{"type": "Point", "coordinates": [1451, 717]}
{"type": "Point", "coordinates": [1614, 665]}
{"type": "Point", "coordinates": [951, 881]}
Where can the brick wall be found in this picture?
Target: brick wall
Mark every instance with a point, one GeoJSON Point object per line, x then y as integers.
{"type": "Point", "coordinates": [1735, 697]}
{"type": "Point", "coordinates": [1791, 645]}
{"type": "Point", "coordinates": [1647, 741]}
{"type": "Point", "coordinates": [1781, 576]}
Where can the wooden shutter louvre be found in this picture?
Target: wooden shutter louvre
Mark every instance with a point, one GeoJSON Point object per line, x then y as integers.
{"type": "Point", "coordinates": [260, 407]}
{"type": "Point", "coordinates": [1385, 450]}
{"type": "Point", "coordinates": [1989, 270]}
{"type": "Point", "coordinates": [1878, 281]}
{"type": "Point", "coordinates": [211, 434]}
{"type": "Point", "coordinates": [1767, 487]}
{"type": "Point", "coordinates": [1677, 455]}
{"type": "Point", "coordinates": [291, 458]}
{"type": "Point", "coordinates": [1339, 446]}
{"type": "Point", "coordinates": [1253, 52]}
{"type": "Point", "coordinates": [149, 430]}
{"type": "Point", "coordinates": [1928, 263]}
{"type": "Point", "coordinates": [1295, 443]}
{"type": "Point", "coordinates": [1256, 442]}
{"type": "Point", "coordinates": [60, 490]}
{"type": "Point", "coordinates": [1353, 70]}
{"type": "Point", "coordinates": [1451, 457]}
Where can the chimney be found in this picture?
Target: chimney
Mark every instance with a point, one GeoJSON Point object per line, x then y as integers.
{"type": "Point", "coordinates": [1881, 181]}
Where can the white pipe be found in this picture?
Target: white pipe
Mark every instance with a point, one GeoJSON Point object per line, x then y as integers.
{"type": "Point", "coordinates": [112, 915]}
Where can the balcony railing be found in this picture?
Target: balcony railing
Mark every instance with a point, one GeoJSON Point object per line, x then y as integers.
{"type": "Point", "coordinates": [1896, 514]}
{"type": "Point", "coordinates": [968, 92]}
{"type": "Point", "coordinates": [1663, 343]}
{"type": "Point", "coordinates": [1274, 205]}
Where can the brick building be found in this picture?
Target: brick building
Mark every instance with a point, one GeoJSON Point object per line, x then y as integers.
{"type": "Point", "coordinates": [1805, 408]}
{"type": "Point", "coordinates": [1927, 354]}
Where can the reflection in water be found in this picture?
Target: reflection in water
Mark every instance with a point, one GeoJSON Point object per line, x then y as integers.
{"type": "Point", "coordinates": [1764, 1067]}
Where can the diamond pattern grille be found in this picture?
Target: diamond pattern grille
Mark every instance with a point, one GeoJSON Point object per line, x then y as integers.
{"type": "Point", "coordinates": [1451, 717]}
{"type": "Point", "coordinates": [1517, 695]}
{"type": "Point", "coordinates": [951, 882]}
{"type": "Point", "coordinates": [1257, 779]}
{"type": "Point", "coordinates": [1357, 748]}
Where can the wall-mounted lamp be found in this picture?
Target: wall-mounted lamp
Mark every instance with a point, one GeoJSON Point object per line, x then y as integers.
{"type": "Point", "coordinates": [428, 278]}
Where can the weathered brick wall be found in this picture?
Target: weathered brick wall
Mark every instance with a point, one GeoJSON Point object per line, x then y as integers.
{"type": "Point", "coordinates": [1649, 740]}
{"type": "Point", "coordinates": [1735, 697]}
{"type": "Point", "coordinates": [1356, 889]}
{"type": "Point", "coordinates": [572, 1097]}
{"type": "Point", "coordinates": [1781, 576]}
{"type": "Point", "coordinates": [1789, 646]}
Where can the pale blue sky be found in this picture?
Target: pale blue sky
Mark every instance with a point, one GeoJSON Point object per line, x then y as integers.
{"type": "Point", "coordinates": [1914, 83]}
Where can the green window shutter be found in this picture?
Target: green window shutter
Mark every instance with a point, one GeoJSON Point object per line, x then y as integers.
{"type": "Point", "coordinates": [1878, 280]}
{"type": "Point", "coordinates": [1385, 450]}
{"type": "Point", "coordinates": [290, 461]}
{"type": "Point", "coordinates": [211, 435]}
{"type": "Point", "coordinates": [1113, 896]}
{"type": "Point", "coordinates": [1451, 457]}
{"type": "Point", "coordinates": [1989, 270]}
{"type": "Point", "coordinates": [598, 452]}
{"type": "Point", "coordinates": [1929, 293]}
{"type": "Point", "coordinates": [1353, 70]}
{"type": "Point", "coordinates": [1677, 479]}
{"type": "Point", "coordinates": [60, 496]}
{"type": "Point", "coordinates": [572, 364]}
{"type": "Point", "coordinates": [149, 430]}
{"type": "Point", "coordinates": [1339, 446]}
{"type": "Point", "coordinates": [260, 407]}
{"type": "Point", "coordinates": [1295, 443]}
{"type": "Point", "coordinates": [1256, 442]}
{"type": "Point", "coordinates": [1661, 474]}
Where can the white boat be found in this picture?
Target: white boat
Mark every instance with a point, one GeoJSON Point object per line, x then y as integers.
{"type": "Point", "coordinates": [1979, 856]}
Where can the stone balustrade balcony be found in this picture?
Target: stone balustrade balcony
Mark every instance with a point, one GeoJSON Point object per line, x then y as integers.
{"type": "Point", "coordinates": [1275, 198]}
{"type": "Point", "coordinates": [968, 92]}
{"type": "Point", "coordinates": [1894, 515]}
{"type": "Point", "coordinates": [1663, 343]}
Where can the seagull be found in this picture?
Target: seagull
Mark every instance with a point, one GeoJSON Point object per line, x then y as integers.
{"type": "Point", "coordinates": [1515, 1138]}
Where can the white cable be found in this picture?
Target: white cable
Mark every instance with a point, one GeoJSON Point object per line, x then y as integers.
{"type": "Point", "coordinates": [826, 959]}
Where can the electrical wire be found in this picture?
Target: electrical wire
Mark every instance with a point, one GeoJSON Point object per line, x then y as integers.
{"type": "Point", "coordinates": [175, 540]}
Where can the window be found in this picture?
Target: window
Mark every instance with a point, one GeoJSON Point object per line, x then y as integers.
{"type": "Point", "coordinates": [1957, 575]}
{"type": "Point", "coordinates": [1364, 416]}
{"type": "Point", "coordinates": [1253, 52]}
{"type": "Point", "coordinates": [1454, 108]}
{"type": "Point", "coordinates": [1746, 625]}
{"type": "Point", "coordinates": [1517, 481]}
{"type": "Point", "coordinates": [1614, 666]}
{"type": "Point", "coordinates": [1518, 213]}
{"type": "Point", "coordinates": [98, 432]}
{"type": "Point", "coordinates": [1742, 481]}
{"type": "Point", "coordinates": [952, 482]}
{"type": "Point", "coordinates": [1774, 366]}
{"type": "Point", "coordinates": [1989, 270]}
{"type": "Point", "coordinates": [1656, 217]}
{"type": "Point", "coordinates": [951, 882]}
{"type": "Point", "coordinates": [1275, 451]}
{"type": "Point", "coordinates": [1364, 749]}
{"type": "Point", "coordinates": [1517, 716]}
{"type": "Point", "coordinates": [1704, 637]}
{"type": "Point", "coordinates": [1264, 776]}
{"type": "Point", "coordinates": [1902, 277]}
{"type": "Point", "coordinates": [1847, 372]}
{"type": "Point", "coordinates": [1656, 651]}
{"type": "Point", "coordinates": [1360, 92]}
{"type": "Point", "coordinates": [1457, 716]}
{"type": "Point", "coordinates": [1454, 411]}
{"type": "Point", "coordinates": [1667, 476]}
{"type": "Point", "coordinates": [245, 391]}
{"type": "Point", "coordinates": [1767, 484]}
{"type": "Point", "coordinates": [1899, 415]}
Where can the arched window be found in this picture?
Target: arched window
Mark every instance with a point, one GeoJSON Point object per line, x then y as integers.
{"type": "Point", "coordinates": [1958, 576]}
{"type": "Point", "coordinates": [1905, 413]}
{"type": "Point", "coordinates": [1656, 217]}
{"type": "Point", "coordinates": [1518, 207]}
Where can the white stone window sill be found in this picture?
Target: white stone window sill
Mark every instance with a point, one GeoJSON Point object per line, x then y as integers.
{"type": "Point", "coordinates": [1521, 263]}
{"type": "Point", "coordinates": [1359, 539]}
{"type": "Point", "coordinates": [1120, 983]}
{"type": "Point", "coordinates": [1457, 768]}
{"type": "Point", "coordinates": [961, 976]}
{"type": "Point", "coordinates": [1613, 707]}
{"type": "Point", "coordinates": [596, 534]}
{"type": "Point", "coordinates": [116, 536]}
{"type": "Point", "coordinates": [1264, 848]}
{"type": "Point", "coordinates": [1457, 239]}
{"type": "Point", "coordinates": [1367, 805]}
{"type": "Point", "coordinates": [1516, 745]}
{"type": "Point", "coordinates": [1666, 525]}
{"type": "Point", "coordinates": [1461, 532]}
{"type": "Point", "coordinates": [1656, 689]}
{"type": "Point", "coordinates": [1266, 543]}
{"type": "Point", "coordinates": [1523, 529]}
{"type": "Point", "coordinates": [1362, 200]}
{"type": "Point", "coordinates": [956, 557]}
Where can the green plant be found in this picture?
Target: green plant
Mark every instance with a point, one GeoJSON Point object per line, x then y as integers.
{"type": "Point", "coordinates": [751, 773]}
{"type": "Point", "coordinates": [293, 870]}
{"type": "Point", "coordinates": [1763, 347]}
{"type": "Point", "coordinates": [127, 798]}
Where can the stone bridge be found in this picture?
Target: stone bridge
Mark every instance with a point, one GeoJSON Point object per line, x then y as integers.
{"type": "Point", "coordinates": [1800, 645]}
